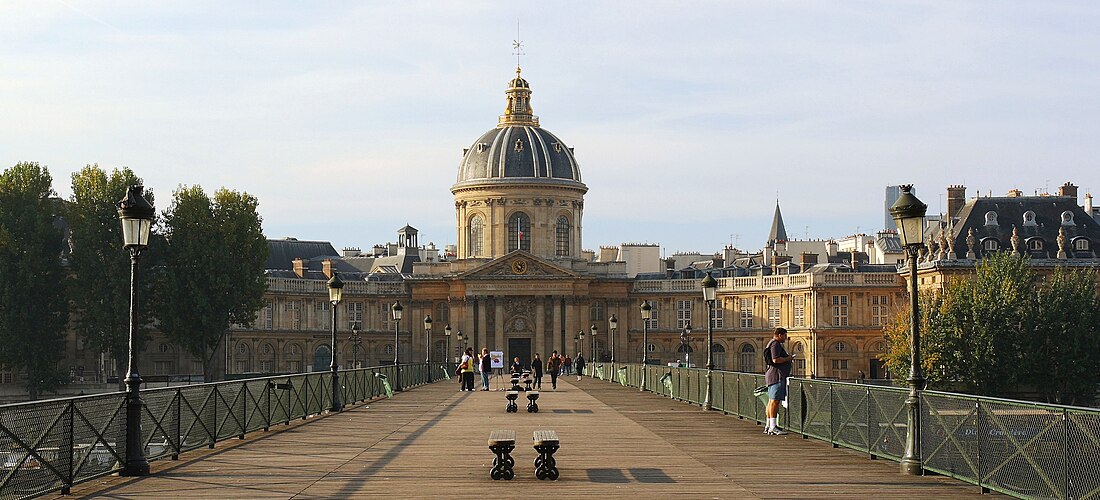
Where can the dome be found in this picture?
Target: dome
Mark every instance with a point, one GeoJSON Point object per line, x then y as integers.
{"type": "Point", "coordinates": [518, 149]}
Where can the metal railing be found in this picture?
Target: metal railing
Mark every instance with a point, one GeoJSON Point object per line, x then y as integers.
{"type": "Point", "coordinates": [48, 446]}
{"type": "Point", "coordinates": [1019, 448]}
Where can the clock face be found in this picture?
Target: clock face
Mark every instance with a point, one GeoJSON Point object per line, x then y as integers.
{"type": "Point", "coordinates": [519, 266]}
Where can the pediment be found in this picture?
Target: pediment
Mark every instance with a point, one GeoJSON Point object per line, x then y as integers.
{"type": "Point", "coordinates": [518, 265]}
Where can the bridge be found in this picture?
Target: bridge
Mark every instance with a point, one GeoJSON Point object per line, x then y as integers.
{"type": "Point", "coordinates": [430, 440]}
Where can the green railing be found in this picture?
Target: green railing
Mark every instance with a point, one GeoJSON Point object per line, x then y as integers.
{"type": "Point", "coordinates": [1022, 449]}
{"type": "Point", "coordinates": [48, 446]}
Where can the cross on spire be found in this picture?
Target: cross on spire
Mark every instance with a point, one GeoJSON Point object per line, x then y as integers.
{"type": "Point", "coordinates": [517, 46]}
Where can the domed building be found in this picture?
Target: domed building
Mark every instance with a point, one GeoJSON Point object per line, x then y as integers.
{"type": "Point", "coordinates": [519, 188]}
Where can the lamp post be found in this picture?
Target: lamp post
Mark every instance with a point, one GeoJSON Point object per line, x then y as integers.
{"type": "Point", "coordinates": [576, 343]}
{"type": "Point", "coordinates": [580, 337]}
{"type": "Point", "coordinates": [685, 337]}
{"type": "Point", "coordinates": [449, 354]}
{"type": "Point", "coordinates": [428, 339]}
{"type": "Point", "coordinates": [710, 286]}
{"type": "Point", "coordinates": [355, 341]}
{"type": "Point", "coordinates": [594, 332]}
{"type": "Point", "coordinates": [335, 293]}
{"type": "Point", "coordinates": [908, 213]}
{"type": "Point", "coordinates": [396, 308]}
{"type": "Point", "coordinates": [136, 215]}
{"type": "Point", "coordinates": [613, 322]}
{"type": "Point", "coordinates": [647, 311]}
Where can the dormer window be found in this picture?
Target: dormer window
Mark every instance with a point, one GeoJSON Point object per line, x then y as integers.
{"type": "Point", "coordinates": [991, 218]}
{"type": "Point", "coordinates": [519, 145]}
{"type": "Point", "coordinates": [1029, 218]}
{"type": "Point", "coordinates": [1067, 218]}
{"type": "Point", "coordinates": [557, 147]}
{"type": "Point", "coordinates": [1081, 244]}
{"type": "Point", "coordinates": [990, 245]}
{"type": "Point", "coordinates": [1035, 244]}
{"type": "Point", "coordinates": [480, 147]}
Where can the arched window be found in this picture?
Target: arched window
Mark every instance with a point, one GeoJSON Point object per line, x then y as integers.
{"type": "Point", "coordinates": [719, 356]}
{"type": "Point", "coordinates": [1035, 244]}
{"type": "Point", "coordinates": [748, 358]}
{"type": "Point", "coordinates": [990, 245]}
{"type": "Point", "coordinates": [1067, 218]}
{"type": "Point", "coordinates": [991, 218]}
{"type": "Point", "coordinates": [519, 232]}
{"type": "Point", "coordinates": [1029, 218]}
{"type": "Point", "coordinates": [322, 358]}
{"type": "Point", "coordinates": [475, 237]}
{"type": "Point", "coordinates": [561, 242]}
{"type": "Point", "coordinates": [1081, 244]}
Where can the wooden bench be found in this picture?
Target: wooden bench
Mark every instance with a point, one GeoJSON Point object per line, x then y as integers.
{"type": "Point", "coordinates": [532, 406]}
{"type": "Point", "coordinates": [546, 443]}
{"type": "Point", "coordinates": [511, 396]}
{"type": "Point", "coordinates": [502, 442]}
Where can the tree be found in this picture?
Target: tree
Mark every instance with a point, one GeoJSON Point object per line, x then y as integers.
{"type": "Point", "coordinates": [213, 274]}
{"type": "Point", "coordinates": [33, 309]}
{"type": "Point", "coordinates": [99, 264]}
{"type": "Point", "coordinates": [1002, 331]}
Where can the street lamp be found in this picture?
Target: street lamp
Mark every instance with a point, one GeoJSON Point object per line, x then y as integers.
{"type": "Point", "coordinates": [335, 293]}
{"type": "Point", "coordinates": [428, 338]}
{"type": "Point", "coordinates": [710, 286]}
{"type": "Point", "coordinates": [908, 213]}
{"type": "Point", "coordinates": [396, 308]}
{"type": "Point", "coordinates": [594, 332]}
{"type": "Point", "coordinates": [647, 311]}
{"type": "Point", "coordinates": [355, 341]}
{"type": "Point", "coordinates": [685, 337]}
{"type": "Point", "coordinates": [614, 323]}
{"type": "Point", "coordinates": [136, 215]}
{"type": "Point", "coordinates": [447, 333]}
{"type": "Point", "coordinates": [576, 343]}
{"type": "Point", "coordinates": [580, 336]}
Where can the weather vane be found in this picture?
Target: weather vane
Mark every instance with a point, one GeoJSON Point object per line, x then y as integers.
{"type": "Point", "coordinates": [517, 45]}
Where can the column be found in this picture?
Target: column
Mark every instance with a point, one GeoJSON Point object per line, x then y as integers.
{"type": "Point", "coordinates": [554, 333]}
{"type": "Point", "coordinates": [539, 345]}
{"type": "Point", "coordinates": [498, 326]}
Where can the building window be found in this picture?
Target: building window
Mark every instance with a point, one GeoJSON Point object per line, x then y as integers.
{"type": "Point", "coordinates": [651, 323]}
{"type": "Point", "coordinates": [323, 313]}
{"type": "Point", "coordinates": [840, 368]}
{"type": "Point", "coordinates": [6, 375]}
{"type": "Point", "coordinates": [1035, 244]}
{"type": "Point", "coordinates": [746, 313]}
{"type": "Point", "coordinates": [164, 349]}
{"type": "Point", "coordinates": [773, 312]}
{"type": "Point", "coordinates": [1081, 245]}
{"type": "Point", "coordinates": [476, 237]}
{"type": "Point", "coordinates": [748, 358]}
{"type": "Point", "coordinates": [991, 218]}
{"type": "Point", "coordinates": [840, 310]}
{"type": "Point", "coordinates": [1029, 218]}
{"type": "Point", "coordinates": [799, 307]}
{"type": "Point", "coordinates": [442, 314]}
{"type": "Point", "coordinates": [595, 311]}
{"type": "Point", "coordinates": [840, 347]}
{"type": "Point", "coordinates": [386, 314]}
{"type": "Point", "coordinates": [387, 350]}
{"type": "Point", "coordinates": [716, 317]}
{"type": "Point", "coordinates": [162, 367]}
{"type": "Point", "coordinates": [990, 245]}
{"type": "Point", "coordinates": [267, 366]}
{"type": "Point", "coordinates": [519, 232]}
{"type": "Point", "coordinates": [355, 315]}
{"type": "Point", "coordinates": [683, 314]}
{"type": "Point", "coordinates": [879, 309]}
{"type": "Point", "coordinates": [267, 317]}
{"type": "Point", "coordinates": [293, 309]}
{"type": "Point", "coordinates": [1067, 218]}
{"type": "Point", "coordinates": [561, 241]}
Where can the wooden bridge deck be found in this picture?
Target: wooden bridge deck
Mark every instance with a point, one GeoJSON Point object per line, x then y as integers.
{"type": "Point", "coordinates": [431, 442]}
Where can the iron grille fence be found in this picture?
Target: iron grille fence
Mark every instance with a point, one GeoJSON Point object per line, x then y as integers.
{"type": "Point", "coordinates": [1019, 448]}
{"type": "Point", "coordinates": [48, 446]}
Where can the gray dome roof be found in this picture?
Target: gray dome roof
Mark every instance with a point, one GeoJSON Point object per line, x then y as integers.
{"type": "Point", "coordinates": [519, 152]}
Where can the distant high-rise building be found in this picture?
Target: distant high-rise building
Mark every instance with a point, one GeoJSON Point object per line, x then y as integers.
{"type": "Point", "coordinates": [892, 195]}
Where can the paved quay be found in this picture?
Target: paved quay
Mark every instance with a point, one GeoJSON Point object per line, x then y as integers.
{"type": "Point", "coordinates": [615, 442]}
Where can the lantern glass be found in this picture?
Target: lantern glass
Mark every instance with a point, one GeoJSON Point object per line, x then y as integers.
{"type": "Point", "coordinates": [396, 308]}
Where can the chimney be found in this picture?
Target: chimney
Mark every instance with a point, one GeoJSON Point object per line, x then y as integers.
{"type": "Point", "coordinates": [956, 198]}
{"type": "Point", "coordinates": [327, 268]}
{"type": "Point", "coordinates": [855, 260]}
{"type": "Point", "coordinates": [1088, 205]}
{"type": "Point", "coordinates": [300, 267]}
{"type": "Point", "coordinates": [831, 248]}
{"type": "Point", "coordinates": [809, 259]}
{"type": "Point", "coordinates": [1014, 193]}
{"type": "Point", "coordinates": [1068, 189]}
{"type": "Point", "coordinates": [670, 267]}
{"type": "Point", "coordinates": [719, 261]}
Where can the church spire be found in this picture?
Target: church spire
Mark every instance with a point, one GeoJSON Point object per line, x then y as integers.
{"type": "Point", "coordinates": [779, 231]}
{"type": "Point", "coordinates": [518, 111]}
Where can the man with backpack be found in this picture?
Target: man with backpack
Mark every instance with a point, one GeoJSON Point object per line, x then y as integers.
{"type": "Point", "coordinates": [779, 368]}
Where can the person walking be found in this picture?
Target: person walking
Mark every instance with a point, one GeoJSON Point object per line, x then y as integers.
{"type": "Point", "coordinates": [578, 365]}
{"type": "Point", "coordinates": [467, 367]}
{"type": "Point", "coordinates": [536, 369]}
{"type": "Point", "coordinates": [553, 367]}
{"type": "Point", "coordinates": [486, 368]}
{"type": "Point", "coordinates": [567, 365]}
{"type": "Point", "coordinates": [779, 368]}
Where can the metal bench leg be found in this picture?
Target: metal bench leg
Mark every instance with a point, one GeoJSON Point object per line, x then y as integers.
{"type": "Point", "coordinates": [545, 465]}
{"type": "Point", "coordinates": [503, 463]}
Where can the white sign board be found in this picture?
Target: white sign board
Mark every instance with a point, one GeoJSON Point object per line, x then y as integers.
{"type": "Point", "coordinates": [497, 358]}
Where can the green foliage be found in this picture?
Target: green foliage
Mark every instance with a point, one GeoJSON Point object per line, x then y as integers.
{"type": "Point", "coordinates": [214, 269]}
{"type": "Point", "coordinates": [1005, 329]}
{"type": "Point", "coordinates": [33, 309]}
{"type": "Point", "coordinates": [99, 289]}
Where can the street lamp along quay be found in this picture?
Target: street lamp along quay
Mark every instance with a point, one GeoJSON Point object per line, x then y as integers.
{"type": "Point", "coordinates": [613, 323]}
{"type": "Point", "coordinates": [428, 338]}
{"type": "Point", "coordinates": [710, 286]}
{"type": "Point", "coordinates": [396, 309]}
{"type": "Point", "coordinates": [447, 354]}
{"type": "Point", "coordinates": [908, 213]}
{"type": "Point", "coordinates": [335, 294]}
{"type": "Point", "coordinates": [355, 340]}
{"type": "Point", "coordinates": [136, 215]}
{"type": "Point", "coordinates": [647, 311]}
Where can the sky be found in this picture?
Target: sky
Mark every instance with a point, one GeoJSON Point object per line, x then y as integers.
{"type": "Point", "coordinates": [689, 120]}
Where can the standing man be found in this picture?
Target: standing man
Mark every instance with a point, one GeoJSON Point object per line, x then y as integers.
{"type": "Point", "coordinates": [779, 368]}
{"type": "Point", "coordinates": [486, 368]}
{"type": "Point", "coordinates": [553, 367]}
{"type": "Point", "coordinates": [578, 364]}
{"type": "Point", "coordinates": [468, 367]}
